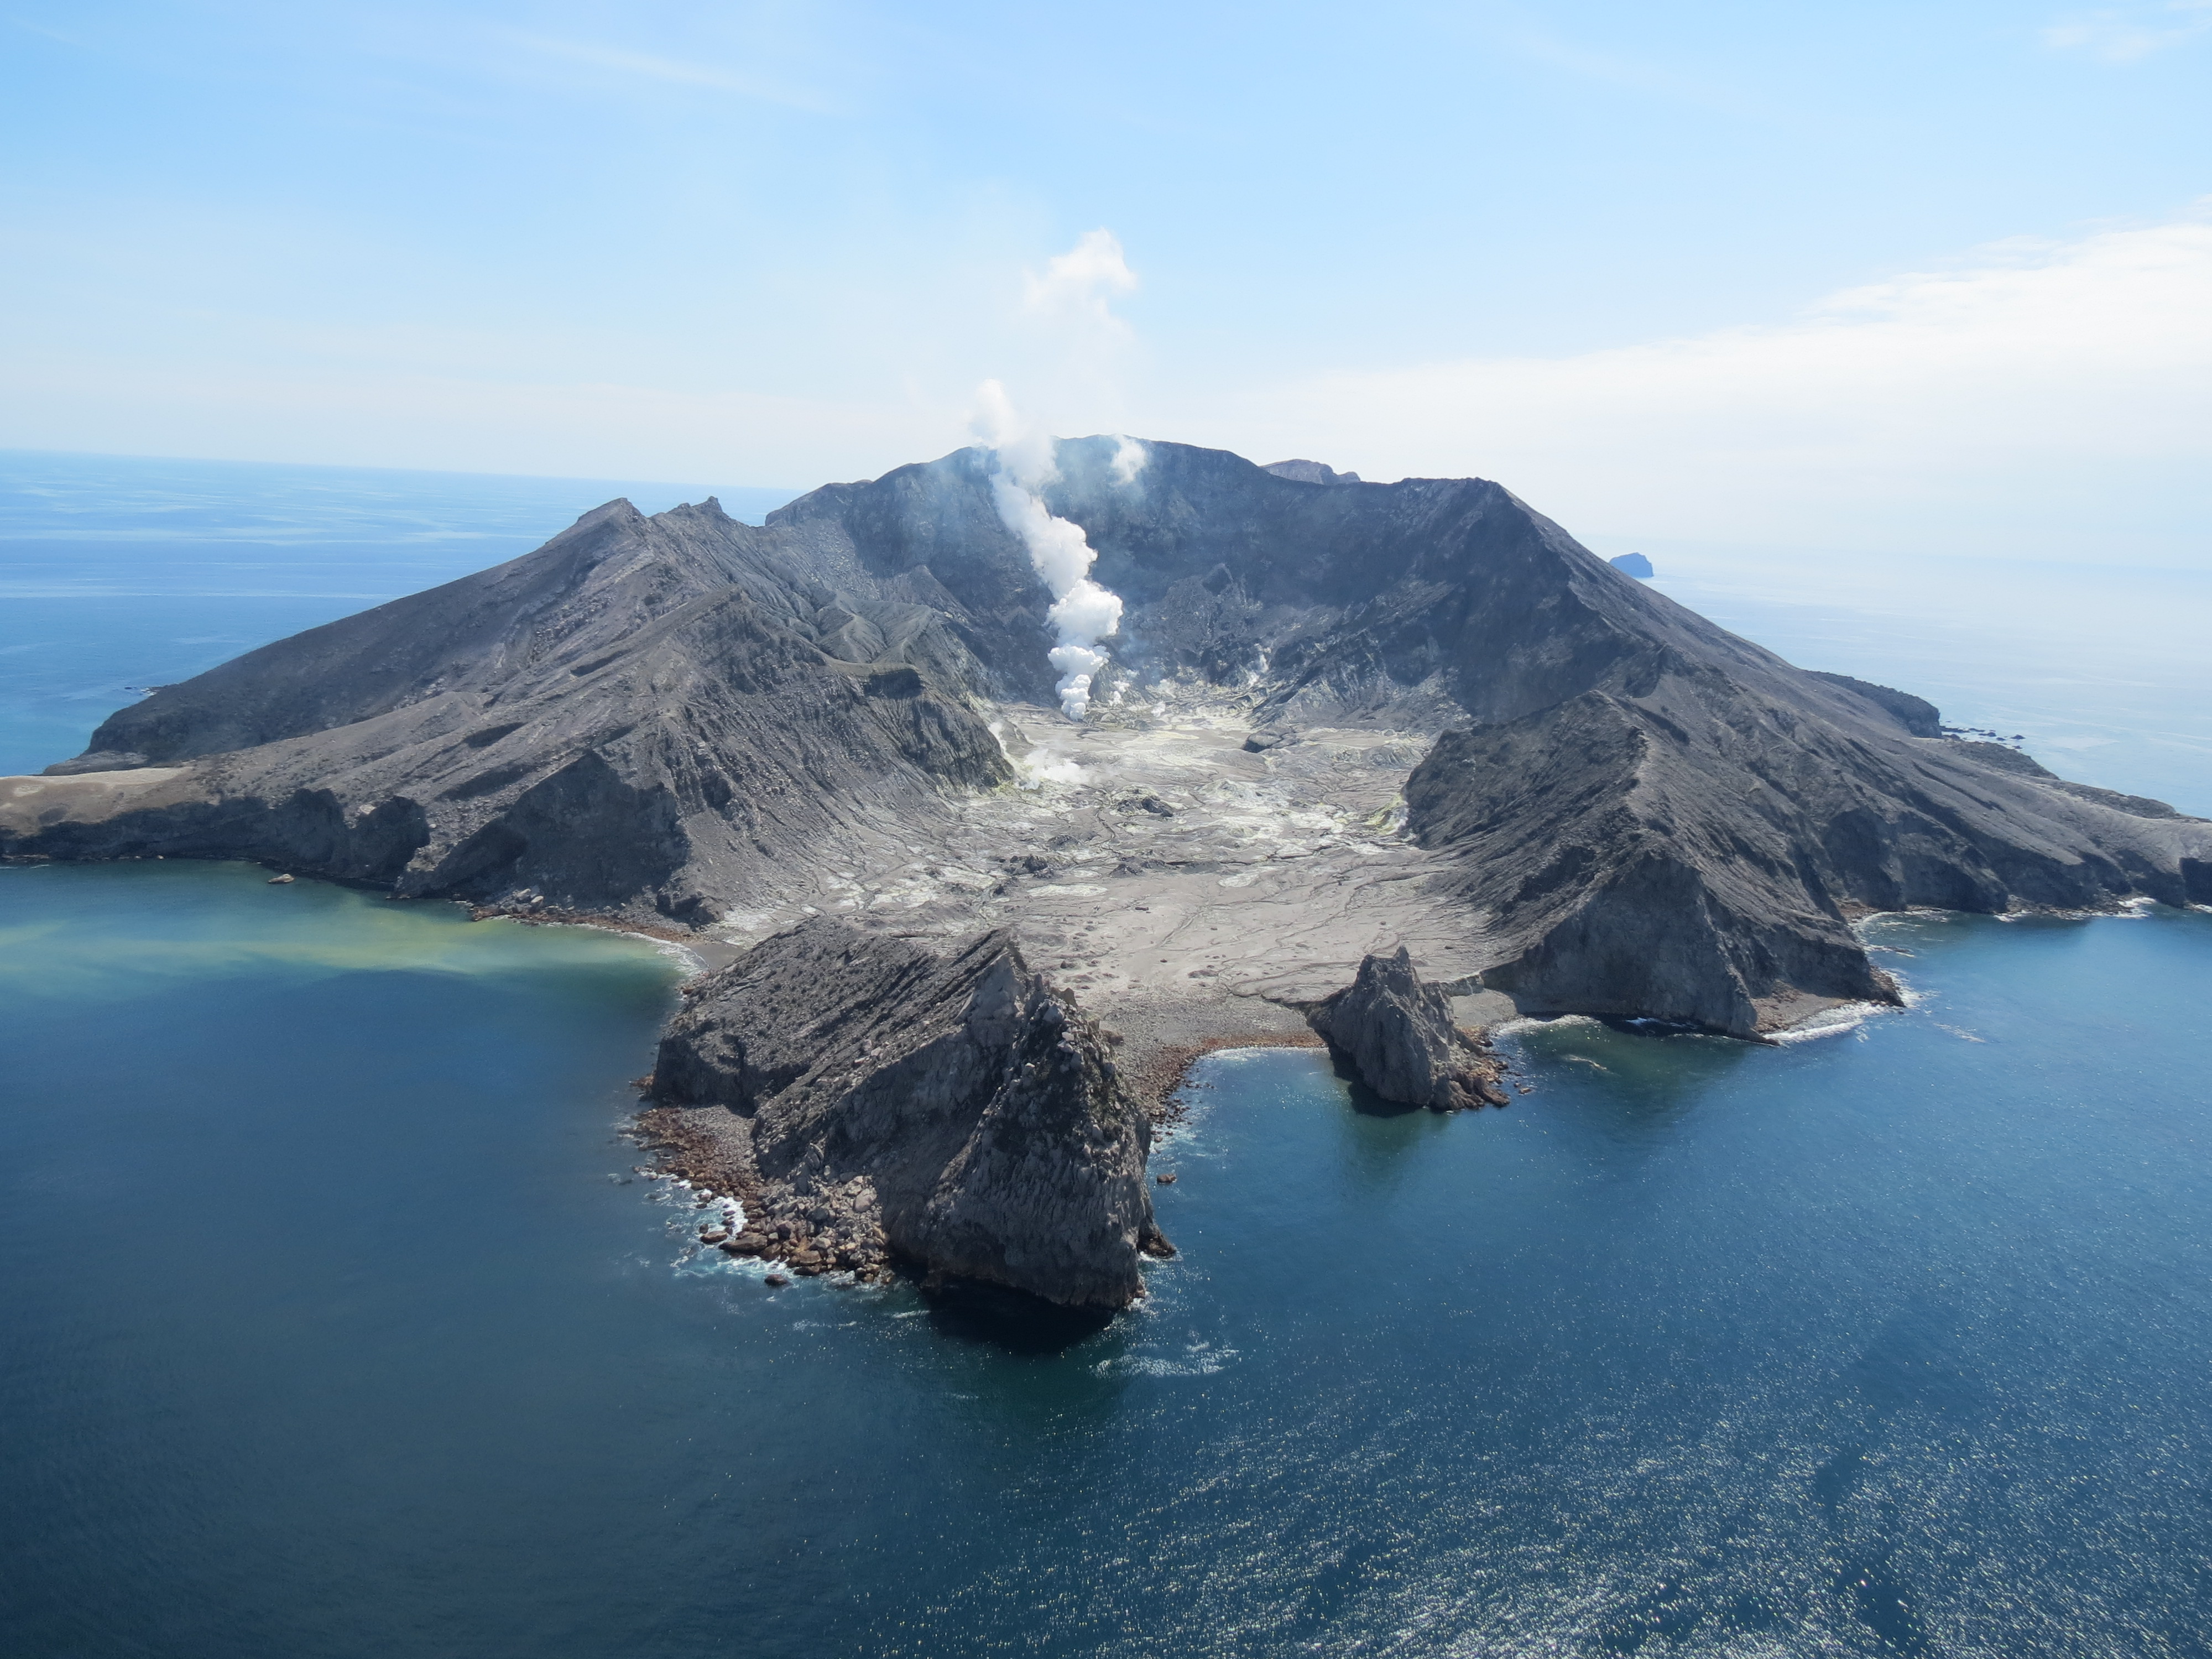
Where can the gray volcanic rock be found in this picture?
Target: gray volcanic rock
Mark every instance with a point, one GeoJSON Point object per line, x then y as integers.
{"type": "Point", "coordinates": [1650, 816]}
{"type": "Point", "coordinates": [97, 760]}
{"type": "Point", "coordinates": [1917, 716]}
{"type": "Point", "coordinates": [1398, 1035]}
{"type": "Point", "coordinates": [1639, 813]}
{"type": "Point", "coordinates": [863, 1096]}
{"type": "Point", "coordinates": [1310, 472]}
{"type": "Point", "coordinates": [646, 718]}
{"type": "Point", "coordinates": [1692, 846]}
{"type": "Point", "coordinates": [2005, 758]}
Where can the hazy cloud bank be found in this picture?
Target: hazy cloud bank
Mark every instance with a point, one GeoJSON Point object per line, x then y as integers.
{"type": "Point", "coordinates": [2044, 399]}
{"type": "Point", "coordinates": [2123, 34]}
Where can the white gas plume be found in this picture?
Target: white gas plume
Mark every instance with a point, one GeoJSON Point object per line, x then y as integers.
{"type": "Point", "coordinates": [1129, 459]}
{"type": "Point", "coordinates": [1083, 613]}
{"type": "Point", "coordinates": [1078, 285]}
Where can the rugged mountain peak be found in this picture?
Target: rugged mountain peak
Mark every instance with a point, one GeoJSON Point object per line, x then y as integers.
{"type": "Point", "coordinates": [868, 1099]}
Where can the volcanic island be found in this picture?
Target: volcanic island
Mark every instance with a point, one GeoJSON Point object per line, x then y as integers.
{"type": "Point", "coordinates": [1374, 765]}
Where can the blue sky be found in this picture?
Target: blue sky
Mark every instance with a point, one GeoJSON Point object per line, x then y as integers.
{"type": "Point", "coordinates": [1823, 277]}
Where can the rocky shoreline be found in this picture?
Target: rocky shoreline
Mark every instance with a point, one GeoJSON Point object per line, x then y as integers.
{"type": "Point", "coordinates": [1167, 1070]}
{"type": "Point", "coordinates": [716, 1163]}
{"type": "Point", "coordinates": [866, 1099]}
{"type": "Point", "coordinates": [818, 1211]}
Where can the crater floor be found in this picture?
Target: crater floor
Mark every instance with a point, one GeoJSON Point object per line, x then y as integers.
{"type": "Point", "coordinates": [1187, 888]}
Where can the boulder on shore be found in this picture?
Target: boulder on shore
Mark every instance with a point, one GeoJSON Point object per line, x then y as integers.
{"type": "Point", "coordinates": [1398, 1035]}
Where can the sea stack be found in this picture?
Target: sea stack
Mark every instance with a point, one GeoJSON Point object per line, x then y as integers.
{"type": "Point", "coordinates": [1397, 1034]}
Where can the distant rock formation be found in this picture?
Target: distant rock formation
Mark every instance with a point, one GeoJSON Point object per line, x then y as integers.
{"type": "Point", "coordinates": [865, 1100]}
{"type": "Point", "coordinates": [1398, 1035]}
{"type": "Point", "coordinates": [1633, 564]}
{"type": "Point", "coordinates": [1310, 472]}
{"type": "Point", "coordinates": [97, 760]}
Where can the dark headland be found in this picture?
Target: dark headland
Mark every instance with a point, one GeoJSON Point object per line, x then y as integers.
{"type": "Point", "coordinates": [965, 936]}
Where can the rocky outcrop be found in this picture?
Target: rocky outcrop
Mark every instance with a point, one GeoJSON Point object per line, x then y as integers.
{"type": "Point", "coordinates": [867, 1100]}
{"type": "Point", "coordinates": [1310, 472]}
{"type": "Point", "coordinates": [2004, 758]}
{"type": "Point", "coordinates": [1397, 1034]}
{"type": "Point", "coordinates": [1916, 716]}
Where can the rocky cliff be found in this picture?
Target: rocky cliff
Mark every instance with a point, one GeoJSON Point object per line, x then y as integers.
{"type": "Point", "coordinates": [867, 1100]}
{"type": "Point", "coordinates": [1692, 842]}
{"type": "Point", "coordinates": [1397, 1034]}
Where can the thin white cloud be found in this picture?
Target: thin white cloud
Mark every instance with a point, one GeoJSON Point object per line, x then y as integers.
{"type": "Point", "coordinates": [2124, 34]}
{"type": "Point", "coordinates": [2043, 395]}
{"type": "Point", "coordinates": [640, 65]}
{"type": "Point", "coordinates": [1633, 75]}
{"type": "Point", "coordinates": [29, 28]}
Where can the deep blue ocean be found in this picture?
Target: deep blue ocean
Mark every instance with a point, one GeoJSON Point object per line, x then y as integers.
{"type": "Point", "coordinates": [336, 1320]}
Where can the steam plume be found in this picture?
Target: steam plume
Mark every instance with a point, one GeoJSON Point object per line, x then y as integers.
{"type": "Point", "coordinates": [1083, 613]}
{"type": "Point", "coordinates": [1077, 285]}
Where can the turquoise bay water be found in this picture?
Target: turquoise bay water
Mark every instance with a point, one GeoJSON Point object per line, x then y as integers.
{"type": "Point", "coordinates": [338, 1323]}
